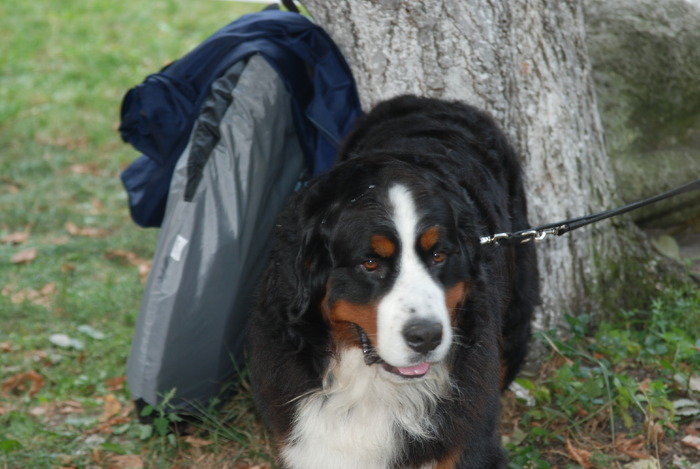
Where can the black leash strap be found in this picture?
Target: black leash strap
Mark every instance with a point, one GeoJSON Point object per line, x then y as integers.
{"type": "Point", "coordinates": [289, 5]}
{"type": "Point", "coordinates": [565, 226]}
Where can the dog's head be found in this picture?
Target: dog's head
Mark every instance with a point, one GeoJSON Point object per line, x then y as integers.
{"type": "Point", "coordinates": [385, 259]}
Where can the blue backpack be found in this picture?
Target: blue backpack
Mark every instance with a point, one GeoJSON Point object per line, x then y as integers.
{"type": "Point", "coordinates": [157, 116]}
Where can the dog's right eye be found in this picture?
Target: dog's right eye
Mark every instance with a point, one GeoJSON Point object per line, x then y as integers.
{"type": "Point", "coordinates": [370, 265]}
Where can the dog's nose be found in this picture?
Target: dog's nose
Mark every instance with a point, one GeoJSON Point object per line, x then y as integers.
{"type": "Point", "coordinates": [423, 335]}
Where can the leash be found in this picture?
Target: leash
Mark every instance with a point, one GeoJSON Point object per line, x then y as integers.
{"type": "Point", "coordinates": [562, 227]}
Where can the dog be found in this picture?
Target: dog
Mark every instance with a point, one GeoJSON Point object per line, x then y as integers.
{"type": "Point", "coordinates": [383, 331]}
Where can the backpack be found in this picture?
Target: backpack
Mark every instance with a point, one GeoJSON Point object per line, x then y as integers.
{"type": "Point", "coordinates": [157, 116]}
{"type": "Point", "coordinates": [222, 162]}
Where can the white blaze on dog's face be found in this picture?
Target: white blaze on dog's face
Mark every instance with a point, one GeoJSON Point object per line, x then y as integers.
{"type": "Point", "coordinates": [413, 321]}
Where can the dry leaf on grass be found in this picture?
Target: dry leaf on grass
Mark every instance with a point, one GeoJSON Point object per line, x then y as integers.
{"type": "Point", "coordinates": [93, 169]}
{"type": "Point", "coordinates": [11, 185]}
{"type": "Point", "coordinates": [126, 461]}
{"type": "Point", "coordinates": [694, 383]}
{"type": "Point", "coordinates": [6, 346]}
{"type": "Point", "coordinates": [581, 456]}
{"type": "Point", "coordinates": [51, 409]}
{"type": "Point", "coordinates": [89, 232]}
{"type": "Point", "coordinates": [41, 297]}
{"type": "Point", "coordinates": [691, 441]}
{"type": "Point", "coordinates": [143, 265]}
{"type": "Point", "coordinates": [24, 257]}
{"type": "Point", "coordinates": [15, 238]}
{"type": "Point", "coordinates": [643, 464]}
{"type": "Point", "coordinates": [113, 414]}
{"type": "Point", "coordinates": [197, 442]}
{"type": "Point", "coordinates": [111, 408]}
{"type": "Point", "coordinates": [632, 447]}
{"type": "Point", "coordinates": [693, 428]}
{"type": "Point", "coordinates": [18, 383]}
{"type": "Point", "coordinates": [115, 384]}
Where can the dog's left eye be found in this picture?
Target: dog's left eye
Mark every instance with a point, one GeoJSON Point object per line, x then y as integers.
{"type": "Point", "coordinates": [439, 257]}
{"type": "Point", "coordinates": [370, 264]}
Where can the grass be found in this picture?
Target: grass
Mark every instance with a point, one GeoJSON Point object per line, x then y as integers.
{"type": "Point", "coordinates": [618, 392]}
{"type": "Point", "coordinates": [72, 269]}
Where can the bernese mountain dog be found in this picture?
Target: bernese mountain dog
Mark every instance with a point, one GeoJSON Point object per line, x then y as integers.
{"type": "Point", "coordinates": [383, 331]}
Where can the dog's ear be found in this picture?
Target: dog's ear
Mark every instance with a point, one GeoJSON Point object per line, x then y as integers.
{"type": "Point", "coordinates": [301, 262]}
{"type": "Point", "coordinates": [311, 267]}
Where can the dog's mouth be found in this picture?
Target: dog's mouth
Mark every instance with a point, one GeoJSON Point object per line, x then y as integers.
{"type": "Point", "coordinates": [371, 357]}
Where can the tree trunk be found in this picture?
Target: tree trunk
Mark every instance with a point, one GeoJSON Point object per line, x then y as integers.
{"type": "Point", "coordinates": [524, 61]}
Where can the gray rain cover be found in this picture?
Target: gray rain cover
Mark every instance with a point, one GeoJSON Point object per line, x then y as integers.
{"type": "Point", "coordinates": [211, 250]}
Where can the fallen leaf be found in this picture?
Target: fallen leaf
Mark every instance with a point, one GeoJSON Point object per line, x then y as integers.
{"type": "Point", "coordinates": [643, 464]}
{"type": "Point", "coordinates": [632, 447]}
{"type": "Point", "coordinates": [69, 142]}
{"type": "Point", "coordinates": [116, 383]}
{"type": "Point", "coordinates": [18, 383]}
{"type": "Point", "coordinates": [24, 257]}
{"type": "Point", "coordinates": [91, 331]}
{"type": "Point", "coordinates": [12, 186]}
{"type": "Point", "coordinates": [128, 256]}
{"type": "Point", "coordinates": [59, 240]}
{"type": "Point", "coordinates": [98, 457]}
{"type": "Point", "coordinates": [686, 407]}
{"type": "Point", "coordinates": [15, 238]}
{"type": "Point", "coordinates": [680, 461]}
{"type": "Point", "coordinates": [126, 461]}
{"type": "Point", "coordinates": [85, 169]}
{"type": "Point", "coordinates": [143, 265]}
{"type": "Point", "coordinates": [89, 232]}
{"type": "Point", "coordinates": [69, 407]}
{"type": "Point", "coordinates": [24, 295]}
{"type": "Point", "coordinates": [111, 408]}
{"type": "Point", "coordinates": [197, 442]}
{"type": "Point", "coordinates": [41, 409]}
{"type": "Point", "coordinates": [6, 346]}
{"type": "Point", "coordinates": [692, 428]}
{"type": "Point", "coordinates": [694, 383]}
{"type": "Point", "coordinates": [41, 297]}
{"type": "Point", "coordinates": [97, 206]}
{"type": "Point", "coordinates": [581, 456]}
{"type": "Point", "coordinates": [691, 441]}
{"type": "Point", "coordinates": [144, 270]}
{"type": "Point", "coordinates": [64, 341]}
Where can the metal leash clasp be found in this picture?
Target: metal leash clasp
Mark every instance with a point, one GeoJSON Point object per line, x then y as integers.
{"type": "Point", "coordinates": [523, 236]}
{"type": "Point", "coordinates": [495, 238]}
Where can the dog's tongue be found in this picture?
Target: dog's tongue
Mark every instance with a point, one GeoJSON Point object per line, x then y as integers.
{"type": "Point", "coordinates": [417, 370]}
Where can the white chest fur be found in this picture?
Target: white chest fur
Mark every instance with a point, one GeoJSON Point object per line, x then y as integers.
{"type": "Point", "coordinates": [356, 420]}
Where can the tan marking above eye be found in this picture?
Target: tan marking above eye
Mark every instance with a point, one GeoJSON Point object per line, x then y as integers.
{"type": "Point", "coordinates": [383, 246]}
{"type": "Point", "coordinates": [430, 238]}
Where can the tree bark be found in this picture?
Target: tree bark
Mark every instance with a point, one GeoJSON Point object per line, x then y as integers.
{"type": "Point", "coordinates": [525, 62]}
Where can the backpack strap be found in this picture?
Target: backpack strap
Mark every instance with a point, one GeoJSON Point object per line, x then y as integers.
{"type": "Point", "coordinates": [289, 5]}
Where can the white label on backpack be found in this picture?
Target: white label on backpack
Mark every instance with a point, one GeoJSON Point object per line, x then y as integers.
{"type": "Point", "coordinates": [178, 247]}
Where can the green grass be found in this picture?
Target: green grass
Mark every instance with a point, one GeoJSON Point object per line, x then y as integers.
{"type": "Point", "coordinates": [64, 68]}
{"type": "Point", "coordinates": [615, 392]}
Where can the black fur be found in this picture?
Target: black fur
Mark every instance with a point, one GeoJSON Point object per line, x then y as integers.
{"type": "Point", "coordinates": [466, 175]}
